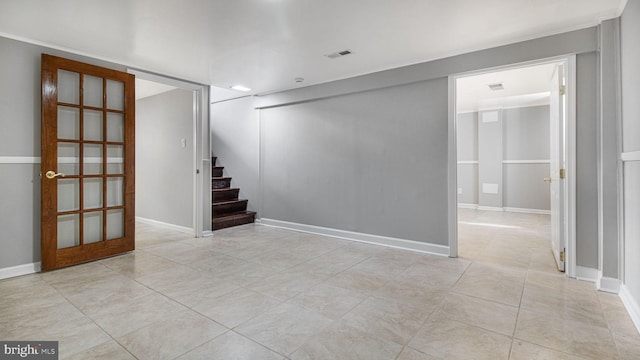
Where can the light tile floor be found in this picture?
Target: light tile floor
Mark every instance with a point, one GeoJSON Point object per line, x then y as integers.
{"type": "Point", "coordinates": [255, 292]}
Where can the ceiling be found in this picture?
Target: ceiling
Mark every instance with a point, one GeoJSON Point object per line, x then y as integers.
{"type": "Point", "coordinates": [524, 86]}
{"type": "Point", "coordinates": [266, 44]}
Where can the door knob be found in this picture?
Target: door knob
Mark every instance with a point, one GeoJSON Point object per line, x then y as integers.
{"type": "Point", "coordinates": [52, 174]}
{"type": "Point", "coordinates": [548, 180]}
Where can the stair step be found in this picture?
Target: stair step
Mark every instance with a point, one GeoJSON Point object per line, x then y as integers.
{"type": "Point", "coordinates": [233, 219]}
{"type": "Point", "coordinates": [228, 207]}
{"type": "Point", "coordinates": [220, 182]}
{"type": "Point", "coordinates": [216, 171]}
{"type": "Point", "coordinates": [225, 194]}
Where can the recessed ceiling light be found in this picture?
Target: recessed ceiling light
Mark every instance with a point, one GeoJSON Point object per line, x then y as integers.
{"type": "Point", "coordinates": [240, 88]}
{"type": "Point", "coordinates": [298, 79]}
{"type": "Point", "coordinates": [496, 87]}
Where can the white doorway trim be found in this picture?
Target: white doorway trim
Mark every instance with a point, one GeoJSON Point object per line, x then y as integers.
{"type": "Point", "coordinates": [201, 152]}
{"type": "Point", "coordinates": [570, 137]}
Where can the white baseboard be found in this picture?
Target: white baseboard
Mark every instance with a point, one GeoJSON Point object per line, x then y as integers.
{"type": "Point", "coordinates": [468, 206]}
{"type": "Point", "coordinates": [608, 284]}
{"type": "Point", "coordinates": [428, 248]}
{"type": "Point", "coordinates": [528, 211]}
{"type": "Point", "coordinates": [631, 304]}
{"type": "Point", "coordinates": [587, 274]}
{"type": "Point", "coordinates": [207, 233]}
{"type": "Point", "coordinates": [19, 270]}
{"type": "Point", "coordinates": [179, 228]}
{"type": "Point", "coordinates": [490, 208]}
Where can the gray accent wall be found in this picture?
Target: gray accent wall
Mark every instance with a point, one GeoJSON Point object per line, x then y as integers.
{"type": "Point", "coordinates": [164, 168]}
{"type": "Point", "coordinates": [630, 84]}
{"type": "Point", "coordinates": [373, 162]}
{"type": "Point", "coordinates": [490, 155]}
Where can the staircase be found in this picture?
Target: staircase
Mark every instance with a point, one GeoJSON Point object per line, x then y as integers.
{"type": "Point", "coordinates": [227, 209]}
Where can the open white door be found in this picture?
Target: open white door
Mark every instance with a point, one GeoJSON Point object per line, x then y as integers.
{"type": "Point", "coordinates": [556, 177]}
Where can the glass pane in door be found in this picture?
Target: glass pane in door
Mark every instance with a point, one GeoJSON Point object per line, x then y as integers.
{"type": "Point", "coordinates": [115, 95]}
{"type": "Point", "coordinates": [68, 231]}
{"type": "Point", "coordinates": [115, 159]}
{"type": "Point", "coordinates": [115, 127]}
{"type": "Point", "coordinates": [115, 192]}
{"type": "Point", "coordinates": [68, 87]}
{"type": "Point", "coordinates": [92, 227]}
{"type": "Point", "coordinates": [92, 190]}
{"type": "Point", "coordinates": [92, 91]}
{"type": "Point", "coordinates": [93, 125]}
{"type": "Point", "coordinates": [68, 194]}
{"type": "Point", "coordinates": [115, 224]}
{"type": "Point", "coordinates": [68, 123]}
{"type": "Point", "coordinates": [92, 159]}
{"type": "Point", "coordinates": [68, 158]}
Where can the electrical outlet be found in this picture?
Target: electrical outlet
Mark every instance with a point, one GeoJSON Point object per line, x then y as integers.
{"type": "Point", "coordinates": [459, 191]}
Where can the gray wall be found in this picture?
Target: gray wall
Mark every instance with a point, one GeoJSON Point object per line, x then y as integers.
{"type": "Point", "coordinates": [235, 140]}
{"type": "Point", "coordinates": [20, 137]}
{"type": "Point", "coordinates": [630, 37]}
{"type": "Point", "coordinates": [373, 162]}
{"type": "Point", "coordinates": [467, 142]}
{"type": "Point", "coordinates": [164, 169]}
{"type": "Point", "coordinates": [525, 136]}
{"type": "Point", "coordinates": [490, 154]}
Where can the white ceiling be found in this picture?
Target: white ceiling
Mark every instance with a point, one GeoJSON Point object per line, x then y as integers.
{"type": "Point", "coordinates": [526, 86]}
{"type": "Point", "coordinates": [265, 44]}
{"type": "Point", "coordinates": [146, 88]}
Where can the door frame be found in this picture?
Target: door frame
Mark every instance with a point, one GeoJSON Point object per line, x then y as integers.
{"type": "Point", "coordinates": [201, 147]}
{"type": "Point", "coordinates": [570, 140]}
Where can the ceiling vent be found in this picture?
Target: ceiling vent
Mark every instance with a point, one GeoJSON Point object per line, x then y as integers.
{"type": "Point", "coordinates": [496, 87]}
{"type": "Point", "coordinates": [338, 54]}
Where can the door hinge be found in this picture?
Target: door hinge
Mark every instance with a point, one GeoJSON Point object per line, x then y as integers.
{"type": "Point", "coordinates": [563, 173]}
{"type": "Point", "coordinates": [563, 89]}
{"type": "Point", "coordinates": [562, 254]}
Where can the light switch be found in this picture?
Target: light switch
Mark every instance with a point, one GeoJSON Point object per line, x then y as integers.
{"type": "Point", "coordinates": [183, 143]}
{"type": "Point", "coordinates": [459, 191]}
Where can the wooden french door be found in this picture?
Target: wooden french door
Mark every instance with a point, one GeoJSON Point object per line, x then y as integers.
{"type": "Point", "coordinates": [88, 184]}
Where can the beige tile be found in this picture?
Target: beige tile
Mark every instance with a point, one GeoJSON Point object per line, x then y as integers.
{"type": "Point", "coordinates": [236, 307]}
{"type": "Point", "coordinates": [246, 273]}
{"type": "Point", "coordinates": [570, 336]}
{"type": "Point", "coordinates": [284, 328]}
{"type": "Point", "coordinates": [286, 284]}
{"type": "Point", "coordinates": [172, 336]}
{"type": "Point", "coordinates": [617, 316]}
{"type": "Point", "coordinates": [412, 354]}
{"type": "Point", "coordinates": [74, 335]}
{"type": "Point", "coordinates": [628, 346]}
{"type": "Point", "coordinates": [28, 317]}
{"type": "Point", "coordinates": [231, 346]}
{"type": "Point", "coordinates": [124, 317]}
{"type": "Point", "coordinates": [522, 350]}
{"type": "Point", "coordinates": [412, 294]}
{"type": "Point", "coordinates": [482, 313]}
{"type": "Point", "coordinates": [584, 307]}
{"type": "Point", "coordinates": [182, 253]}
{"type": "Point", "coordinates": [357, 280]}
{"type": "Point", "coordinates": [330, 301]}
{"type": "Point", "coordinates": [495, 283]}
{"type": "Point", "coordinates": [138, 263]}
{"type": "Point", "coordinates": [187, 285]}
{"type": "Point", "coordinates": [387, 320]}
{"type": "Point", "coordinates": [341, 342]}
{"type": "Point", "coordinates": [449, 339]}
{"type": "Point", "coordinates": [109, 350]}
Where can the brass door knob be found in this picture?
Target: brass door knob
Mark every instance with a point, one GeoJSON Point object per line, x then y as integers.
{"type": "Point", "coordinates": [52, 174]}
